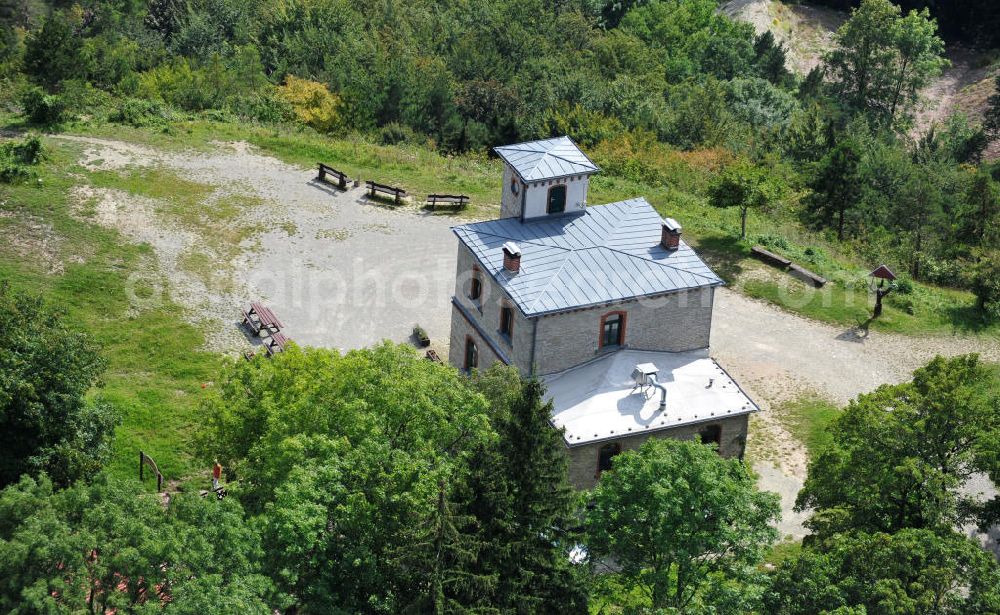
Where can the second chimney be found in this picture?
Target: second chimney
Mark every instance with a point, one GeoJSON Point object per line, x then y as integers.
{"type": "Point", "coordinates": [511, 257]}
{"type": "Point", "coordinates": [671, 236]}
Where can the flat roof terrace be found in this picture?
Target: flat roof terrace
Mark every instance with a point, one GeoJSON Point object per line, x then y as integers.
{"type": "Point", "coordinates": [599, 400]}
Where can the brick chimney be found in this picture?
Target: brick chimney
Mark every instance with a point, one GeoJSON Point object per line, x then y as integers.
{"type": "Point", "coordinates": [671, 236]}
{"type": "Point", "coordinates": [511, 257]}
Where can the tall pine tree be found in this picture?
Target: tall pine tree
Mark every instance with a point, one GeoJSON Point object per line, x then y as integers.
{"type": "Point", "coordinates": [525, 506]}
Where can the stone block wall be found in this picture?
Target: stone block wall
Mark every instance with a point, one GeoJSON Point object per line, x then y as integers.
{"type": "Point", "coordinates": [675, 323]}
{"type": "Point", "coordinates": [583, 458]}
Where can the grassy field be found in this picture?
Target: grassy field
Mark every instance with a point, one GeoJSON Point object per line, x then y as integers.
{"type": "Point", "coordinates": [156, 370]}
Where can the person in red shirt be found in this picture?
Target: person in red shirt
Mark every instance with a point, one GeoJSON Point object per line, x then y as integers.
{"type": "Point", "coordinates": [216, 475]}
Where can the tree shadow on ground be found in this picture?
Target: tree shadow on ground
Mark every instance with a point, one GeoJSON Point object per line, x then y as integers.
{"type": "Point", "coordinates": [724, 254]}
{"type": "Point", "coordinates": [967, 319]}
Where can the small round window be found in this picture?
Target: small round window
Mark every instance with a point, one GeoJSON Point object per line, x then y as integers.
{"type": "Point", "coordinates": [515, 186]}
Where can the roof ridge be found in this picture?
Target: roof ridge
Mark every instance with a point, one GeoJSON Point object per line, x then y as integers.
{"type": "Point", "coordinates": [523, 241]}
{"type": "Point", "coordinates": [649, 260]}
{"type": "Point", "coordinates": [548, 283]}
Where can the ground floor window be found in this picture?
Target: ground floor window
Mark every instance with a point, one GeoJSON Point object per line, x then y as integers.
{"type": "Point", "coordinates": [471, 354]}
{"type": "Point", "coordinates": [711, 434]}
{"type": "Point", "coordinates": [605, 455]}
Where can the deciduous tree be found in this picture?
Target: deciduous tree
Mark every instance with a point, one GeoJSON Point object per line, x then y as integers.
{"type": "Point", "coordinates": [899, 455]}
{"type": "Point", "coordinates": [882, 59]}
{"type": "Point", "coordinates": [911, 571]}
{"type": "Point", "coordinates": [673, 514]}
{"type": "Point", "coordinates": [46, 421]}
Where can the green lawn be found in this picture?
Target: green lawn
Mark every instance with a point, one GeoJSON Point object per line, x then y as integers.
{"type": "Point", "coordinates": [156, 371]}
{"type": "Point", "coordinates": [807, 419]}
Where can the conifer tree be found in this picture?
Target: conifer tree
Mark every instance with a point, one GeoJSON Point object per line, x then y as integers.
{"type": "Point", "coordinates": [524, 503]}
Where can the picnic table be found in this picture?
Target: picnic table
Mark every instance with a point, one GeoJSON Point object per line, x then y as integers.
{"type": "Point", "coordinates": [260, 318]}
{"type": "Point", "coordinates": [276, 343]}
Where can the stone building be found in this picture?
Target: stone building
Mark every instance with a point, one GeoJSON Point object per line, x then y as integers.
{"type": "Point", "coordinates": [606, 304]}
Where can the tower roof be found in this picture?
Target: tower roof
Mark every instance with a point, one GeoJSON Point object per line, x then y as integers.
{"type": "Point", "coordinates": [546, 159]}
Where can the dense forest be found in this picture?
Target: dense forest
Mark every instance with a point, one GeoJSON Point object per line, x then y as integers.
{"type": "Point", "coordinates": [377, 482]}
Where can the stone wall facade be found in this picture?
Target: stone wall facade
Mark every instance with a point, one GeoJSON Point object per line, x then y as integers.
{"type": "Point", "coordinates": [583, 459]}
{"type": "Point", "coordinates": [675, 322]}
{"type": "Point", "coordinates": [485, 313]}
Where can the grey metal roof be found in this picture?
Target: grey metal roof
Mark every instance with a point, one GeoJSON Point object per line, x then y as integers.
{"type": "Point", "coordinates": [546, 159]}
{"type": "Point", "coordinates": [605, 254]}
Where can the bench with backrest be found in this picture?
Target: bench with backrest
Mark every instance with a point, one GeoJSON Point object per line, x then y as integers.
{"type": "Point", "coordinates": [375, 187]}
{"type": "Point", "coordinates": [276, 344]}
{"type": "Point", "coordinates": [454, 201]}
{"type": "Point", "coordinates": [332, 176]}
{"type": "Point", "coordinates": [260, 318]}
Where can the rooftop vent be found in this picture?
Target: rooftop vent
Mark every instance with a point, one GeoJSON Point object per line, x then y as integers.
{"type": "Point", "coordinates": [671, 236]}
{"type": "Point", "coordinates": [511, 257]}
{"type": "Point", "coordinates": [644, 376]}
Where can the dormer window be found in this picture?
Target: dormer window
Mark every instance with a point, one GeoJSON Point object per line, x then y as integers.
{"type": "Point", "coordinates": [557, 199]}
{"type": "Point", "coordinates": [612, 330]}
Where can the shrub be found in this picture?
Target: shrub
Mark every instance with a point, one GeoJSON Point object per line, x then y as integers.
{"type": "Point", "coordinates": [43, 109]}
{"type": "Point", "coordinates": [140, 113]}
{"type": "Point", "coordinates": [395, 133]}
{"type": "Point", "coordinates": [265, 106]}
{"type": "Point", "coordinates": [586, 127]}
{"type": "Point", "coordinates": [17, 156]}
{"type": "Point", "coordinates": [312, 103]}
{"type": "Point", "coordinates": [421, 335]}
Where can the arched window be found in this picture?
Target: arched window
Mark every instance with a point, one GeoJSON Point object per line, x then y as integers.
{"type": "Point", "coordinates": [557, 200]}
{"type": "Point", "coordinates": [612, 329]}
{"type": "Point", "coordinates": [604, 456]}
{"type": "Point", "coordinates": [710, 434]}
{"type": "Point", "coordinates": [471, 354]}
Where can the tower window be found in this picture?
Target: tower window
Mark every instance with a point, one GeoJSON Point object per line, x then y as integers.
{"type": "Point", "coordinates": [557, 200]}
{"type": "Point", "coordinates": [612, 329]}
{"type": "Point", "coordinates": [471, 354]}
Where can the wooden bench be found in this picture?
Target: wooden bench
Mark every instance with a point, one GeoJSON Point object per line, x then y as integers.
{"type": "Point", "coordinates": [455, 201]}
{"type": "Point", "coordinates": [374, 187]}
{"type": "Point", "coordinates": [276, 344]}
{"type": "Point", "coordinates": [336, 178]}
{"type": "Point", "coordinates": [806, 276]}
{"type": "Point", "coordinates": [260, 317]}
{"type": "Point", "coordinates": [770, 257]}
{"type": "Point", "coordinates": [432, 356]}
